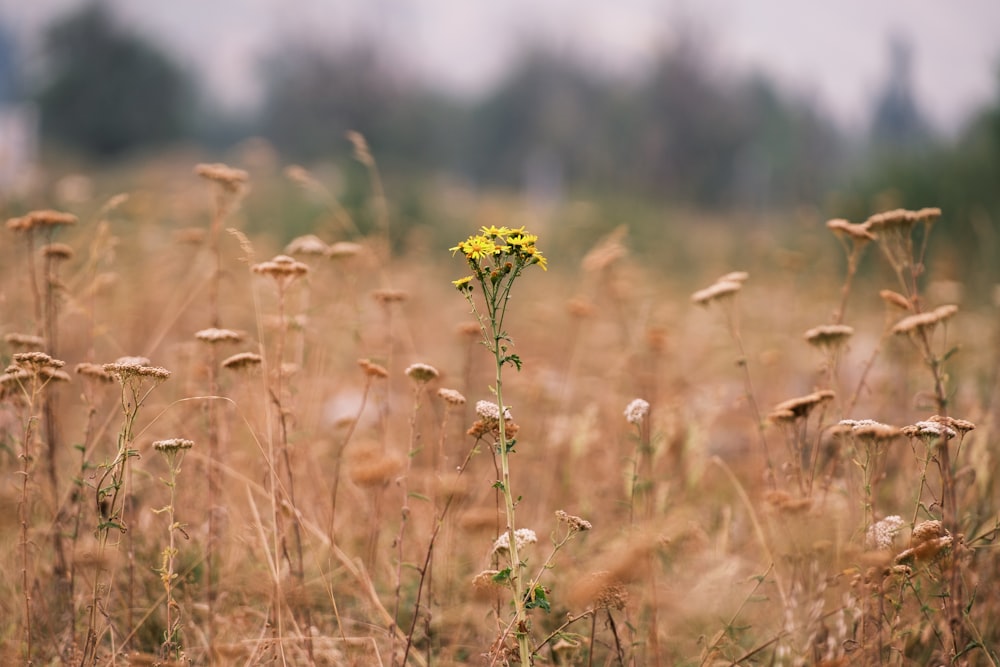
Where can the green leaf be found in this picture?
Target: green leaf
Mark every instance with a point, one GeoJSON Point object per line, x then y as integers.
{"type": "Point", "coordinates": [537, 598]}
{"type": "Point", "coordinates": [502, 577]}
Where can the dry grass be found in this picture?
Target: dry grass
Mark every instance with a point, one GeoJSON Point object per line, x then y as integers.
{"type": "Point", "coordinates": [747, 515]}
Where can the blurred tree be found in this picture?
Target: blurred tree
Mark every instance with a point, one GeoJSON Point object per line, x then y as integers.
{"type": "Point", "coordinates": [897, 122]}
{"type": "Point", "coordinates": [313, 95]}
{"type": "Point", "coordinates": [107, 90]}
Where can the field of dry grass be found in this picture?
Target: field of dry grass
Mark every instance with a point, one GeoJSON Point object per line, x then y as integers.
{"type": "Point", "coordinates": [216, 451]}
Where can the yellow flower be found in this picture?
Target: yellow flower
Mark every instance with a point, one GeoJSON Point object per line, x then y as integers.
{"type": "Point", "coordinates": [462, 283]}
{"type": "Point", "coordinates": [478, 247]}
{"type": "Point", "coordinates": [536, 257]}
{"type": "Point", "coordinates": [495, 231]}
{"type": "Point", "coordinates": [522, 239]}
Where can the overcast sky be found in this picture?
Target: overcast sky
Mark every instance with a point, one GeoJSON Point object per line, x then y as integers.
{"type": "Point", "coordinates": [834, 53]}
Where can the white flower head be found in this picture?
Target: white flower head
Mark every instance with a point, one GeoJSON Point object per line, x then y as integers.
{"type": "Point", "coordinates": [490, 410]}
{"type": "Point", "coordinates": [522, 538]}
{"type": "Point", "coordinates": [882, 533]}
{"type": "Point", "coordinates": [636, 411]}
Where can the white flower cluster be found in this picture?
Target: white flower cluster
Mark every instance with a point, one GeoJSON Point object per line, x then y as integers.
{"type": "Point", "coordinates": [882, 533]}
{"type": "Point", "coordinates": [490, 410]}
{"type": "Point", "coordinates": [522, 538]}
{"type": "Point", "coordinates": [929, 429]}
{"type": "Point", "coordinates": [637, 411]}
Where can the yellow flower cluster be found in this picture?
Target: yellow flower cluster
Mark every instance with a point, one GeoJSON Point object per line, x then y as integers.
{"type": "Point", "coordinates": [496, 250]}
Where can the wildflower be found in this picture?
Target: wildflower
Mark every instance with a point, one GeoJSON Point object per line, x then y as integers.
{"type": "Point", "coordinates": [214, 335]}
{"type": "Point", "coordinates": [522, 538]}
{"type": "Point", "coordinates": [636, 411]}
{"type": "Point", "coordinates": [575, 523]}
{"type": "Point", "coordinates": [173, 445]}
{"type": "Point", "coordinates": [36, 361]}
{"type": "Point", "coordinates": [451, 396]}
{"type": "Point", "coordinates": [476, 247]}
{"type": "Point", "coordinates": [421, 373]}
{"type": "Point", "coordinates": [871, 430]}
{"type": "Point", "coordinates": [462, 284]}
{"type": "Point", "coordinates": [489, 410]}
{"type": "Point", "coordinates": [242, 360]}
{"type": "Point", "coordinates": [963, 426]}
{"type": "Point", "coordinates": [881, 534]}
{"type": "Point", "coordinates": [230, 179]}
{"type": "Point", "coordinates": [828, 335]}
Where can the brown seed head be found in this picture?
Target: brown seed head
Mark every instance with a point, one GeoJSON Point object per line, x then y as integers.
{"type": "Point", "coordinates": [35, 361]}
{"type": "Point", "coordinates": [21, 341]}
{"type": "Point", "coordinates": [343, 249]}
{"type": "Point", "coordinates": [57, 251]}
{"type": "Point", "coordinates": [829, 335]}
{"type": "Point", "coordinates": [801, 406]}
{"type": "Point", "coordinates": [42, 218]}
{"type": "Point", "coordinates": [93, 371]}
{"type": "Point", "coordinates": [716, 292]}
{"type": "Point", "coordinates": [230, 179]}
{"type": "Point", "coordinates": [575, 523]}
{"type": "Point", "coordinates": [281, 268]}
{"type": "Point", "coordinates": [421, 373]}
{"type": "Point", "coordinates": [857, 233]}
{"type": "Point", "coordinates": [173, 445]}
{"type": "Point", "coordinates": [214, 335]}
{"type": "Point", "coordinates": [896, 219]}
{"type": "Point", "coordinates": [451, 396]}
{"type": "Point", "coordinates": [896, 299]}
{"type": "Point", "coordinates": [242, 360]}
{"type": "Point", "coordinates": [373, 370]}
{"type": "Point", "coordinates": [310, 244]}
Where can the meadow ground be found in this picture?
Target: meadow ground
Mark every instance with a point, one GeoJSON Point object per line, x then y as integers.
{"type": "Point", "coordinates": [218, 451]}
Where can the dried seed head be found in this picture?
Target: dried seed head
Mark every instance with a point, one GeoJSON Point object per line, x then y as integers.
{"type": "Point", "coordinates": [962, 426]}
{"type": "Point", "coordinates": [231, 180]}
{"type": "Point", "coordinates": [926, 321]}
{"type": "Point", "coordinates": [42, 218]}
{"type": "Point", "coordinates": [896, 219]}
{"type": "Point", "coordinates": [343, 249]}
{"type": "Point", "coordinates": [522, 538]}
{"type": "Point", "coordinates": [451, 396]}
{"type": "Point", "coordinates": [128, 367]}
{"type": "Point", "coordinates": [829, 335]}
{"type": "Point", "coordinates": [930, 431]}
{"type": "Point", "coordinates": [636, 411]}
{"type": "Point", "coordinates": [871, 430]}
{"type": "Point", "coordinates": [93, 371]}
{"type": "Point", "coordinates": [734, 277]}
{"type": "Point", "coordinates": [36, 361]}
{"type": "Point", "coordinates": [57, 251]}
{"type": "Point", "coordinates": [575, 523]}
{"type": "Point", "coordinates": [855, 232]}
{"type": "Point", "coordinates": [486, 580]}
{"type": "Point", "coordinates": [716, 292]}
{"type": "Point", "coordinates": [372, 370]}
{"type": "Point", "coordinates": [928, 541]}
{"type": "Point", "coordinates": [896, 299]}
{"type": "Point", "coordinates": [281, 268]}
{"type": "Point", "coordinates": [21, 341]}
{"type": "Point", "coordinates": [926, 530]}
{"type": "Point", "coordinates": [49, 374]}
{"type": "Point", "coordinates": [421, 373]}
{"type": "Point", "coordinates": [928, 215]}
{"type": "Point", "coordinates": [173, 445]}
{"type": "Point", "coordinates": [242, 360]}
{"type": "Point", "coordinates": [882, 534]}
{"type": "Point", "coordinates": [309, 244]}
{"type": "Point", "coordinates": [214, 335]}
{"type": "Point", "coordinates": [801, 406]}
{"type": "Point", "coordinates": [490, 411]}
